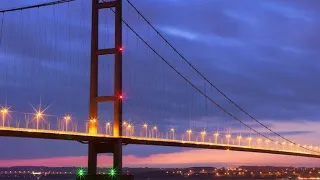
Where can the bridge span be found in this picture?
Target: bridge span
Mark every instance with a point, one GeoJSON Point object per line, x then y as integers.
{"type": "Point", "coordinates": [105, 141]}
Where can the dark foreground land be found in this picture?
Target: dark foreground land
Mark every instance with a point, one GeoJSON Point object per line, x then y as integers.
{"type": "Point", "coordinates": [191, 173]}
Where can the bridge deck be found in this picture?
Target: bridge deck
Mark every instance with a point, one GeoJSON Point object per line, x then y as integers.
{"type": "Point", "coordinates": [76, 136]}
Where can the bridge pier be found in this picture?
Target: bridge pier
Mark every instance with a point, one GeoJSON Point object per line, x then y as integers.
{"type": "Point", "coordinates": [92, 158]}
{"type": "Point", "coordinates": [114, 147]}
{"type": "Point", "coordinates": [117, 155]}
{"type": "Point", "coordinates": [95, 148]}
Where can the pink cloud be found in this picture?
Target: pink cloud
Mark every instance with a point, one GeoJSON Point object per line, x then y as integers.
{"type": "Point", "coordinates": [182, 159]}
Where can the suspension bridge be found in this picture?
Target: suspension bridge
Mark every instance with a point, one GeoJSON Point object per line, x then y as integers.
{"type": "Point", "coordinates": [145, 90]}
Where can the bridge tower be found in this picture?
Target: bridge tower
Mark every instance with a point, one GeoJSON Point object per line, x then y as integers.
{"type": "Point", "coordinates": [114, 146]}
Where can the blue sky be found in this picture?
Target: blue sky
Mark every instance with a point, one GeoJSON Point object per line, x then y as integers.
{"type": "Point", "coordinates": [263, 54]}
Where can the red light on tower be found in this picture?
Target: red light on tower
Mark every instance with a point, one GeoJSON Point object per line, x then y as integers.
{"type": "Point", "coordinates": [120, 49]}
{"type": "Point", "coordinates": [120, 97]}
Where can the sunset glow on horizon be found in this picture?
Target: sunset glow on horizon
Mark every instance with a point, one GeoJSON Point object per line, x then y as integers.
{"type": "Point", "coordinates": [178, 159]}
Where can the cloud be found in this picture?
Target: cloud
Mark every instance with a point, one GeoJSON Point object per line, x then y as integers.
{"type": "Point", "coordinates": [208, 39]}
{"type": "Point", "coordinates": [180, 33]}
{"type": "Point", "coordinates": [240, 16]}
{"type": "Point", "coordinates": [288, 11]}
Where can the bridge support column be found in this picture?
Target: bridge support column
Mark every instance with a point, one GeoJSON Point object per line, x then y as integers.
{"type": "Point", "coordinates": [92, 158]}
{"type": "Point", "coordinates": [114, 146]}
{"type": "Point", "coordinates": [117, 155]}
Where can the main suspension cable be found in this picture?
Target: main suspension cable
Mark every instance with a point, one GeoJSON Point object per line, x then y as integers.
{"type": "Point", "coordinates": [36, 6]}
{"type": "Point", "coordinates": [207, 80]}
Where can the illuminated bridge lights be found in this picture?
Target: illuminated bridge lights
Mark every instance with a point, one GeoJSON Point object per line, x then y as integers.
{"type": "Point", "coordinates": [157, 135]}
{"type": "Point", "coordinates": [4, 111]}
{"type": "Point", "coordinates": [39, 115]}
{"type": "Point", "coordinates": [67, 118]}
{"type": "Point", "coordinates": [163, 140]}
{"type": "Point", "coordinates": [93, 126]}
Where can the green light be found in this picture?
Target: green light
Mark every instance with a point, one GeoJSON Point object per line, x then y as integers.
{"type": "Point", "coordinates": [80, 172]}
{"type": "Point", "coordinates": [112, 172]}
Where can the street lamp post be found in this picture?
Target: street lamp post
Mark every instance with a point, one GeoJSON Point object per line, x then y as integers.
{"type": "Point", "coordinates": [125, 124]}
{"type": "Point", "coordinates": [259, 142]}
{"type": "Point", "coordinates": [145, 126]}
{"type": "Point", "coordinates": [172, 130]}
{"type": "Point", "coordinates": [297, 147]}
{"type": "Point", "coordinates": [228, 136]}
{"type": "Point", "coordinates": [216, 134]}
{"type": "Point", "coordinates": [203, 134]}
{"type": "Point", "coordinates": [249, 141]}
{"type": "Point", "coordinates": [283, 145]}
{"type": "Point", "coordinates": [38, 117]}
{"type": "Point", "coordinates": [128, 129]}
{"type": "Point", "coordinates": [108, 128]}
{"type": "Point", "coordinates": [189, 131]}
{"type": "Point", "coordinates": [4, 112]}
{"type": "Point", "coordinates": [291, 145]}
{"type": "Point", "coordinates": [276, 143]}
{"type": "Point", "coordinates": [239, 140]}
{"type": "Point", "coordinates": [67, 119]}
{"type": "Point", "coordinates": [155, 128]}
{"type": "Point", "coordinates": [267, 142]}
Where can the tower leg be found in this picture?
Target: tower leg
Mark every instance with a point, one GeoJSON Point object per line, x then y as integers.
{"type": "Point", "coordinates": [93, 108]}
{"type": "Point", "coordinates": [92, 159]}
{"type": "Point", "coordinates": [116, 146]}
{"type": "Point", "coordinates": [117, 129]}
{"type": "Point", "coordinates": [117, 156]}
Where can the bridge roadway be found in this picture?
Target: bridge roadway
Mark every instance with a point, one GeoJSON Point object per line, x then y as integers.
{"type": "Point", "coordinates": [101, 138]}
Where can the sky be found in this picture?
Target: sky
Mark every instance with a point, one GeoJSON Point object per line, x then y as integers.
{"type": "Point", "coordinates": [262, 54]}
